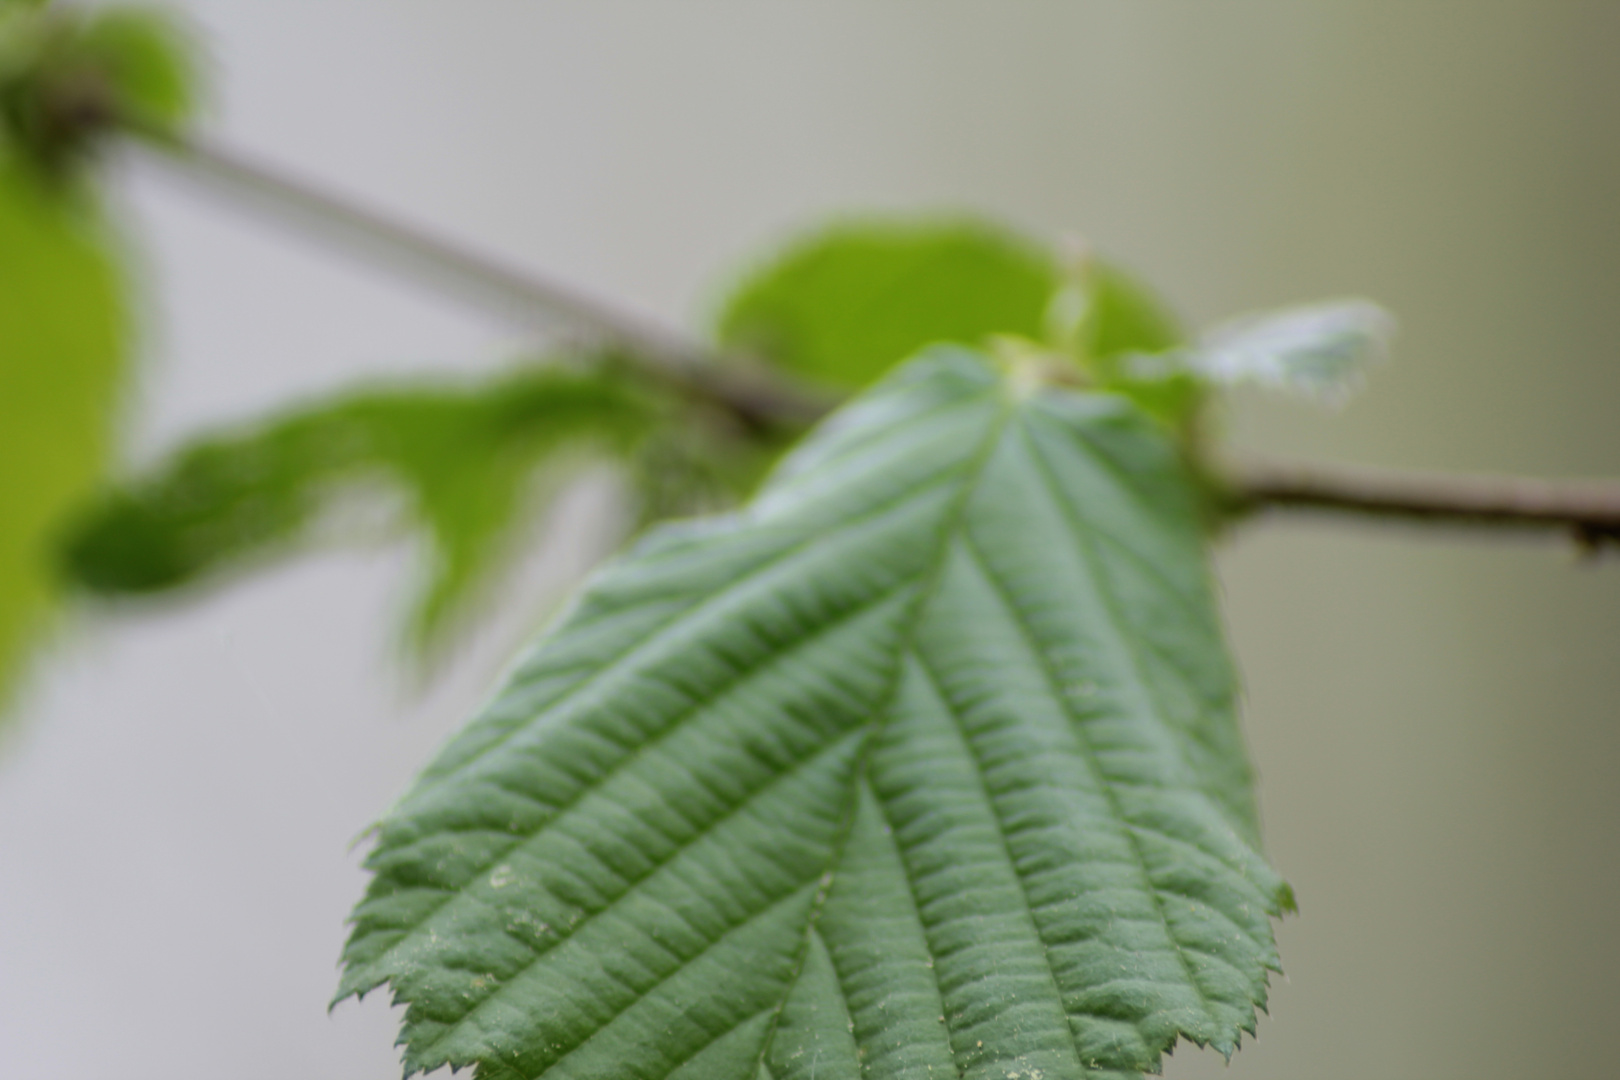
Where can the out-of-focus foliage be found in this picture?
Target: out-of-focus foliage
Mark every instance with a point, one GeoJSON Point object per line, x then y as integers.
{"type": "Point", "coordinates": [63, 340]}
{"type": "Point", "coordinates": [1100, 313]}
{"type": "Point", "coordinates": [1103, 316]}
{"type": "Point", "coordinates": [68, 76]}
{"type": "Point", "coordinates": [64, 331]}
{"type": "Point", "coordinates": [1125, 316]}
{"type": "Point", "coordinates": [688, 466]}
{"type": "Point", "coordinates": [460, 460]}
{"type": "Point", "coordinates": [844, 305]}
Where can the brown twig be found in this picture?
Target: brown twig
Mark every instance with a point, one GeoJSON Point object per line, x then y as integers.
{"type": "Point", "coordinates": [532, 300]}
{"type": "Point", "coordinates": [1589, 511]}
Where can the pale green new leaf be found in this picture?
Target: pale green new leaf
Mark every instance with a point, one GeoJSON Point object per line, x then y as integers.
{"type": "Point", "coordinates": [925, 765]}
{"type": "Point", "coordinates": [1321, 351]}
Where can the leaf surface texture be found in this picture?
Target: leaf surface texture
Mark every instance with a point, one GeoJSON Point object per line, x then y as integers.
{"type": "Point", "coordinates": [923, 765]}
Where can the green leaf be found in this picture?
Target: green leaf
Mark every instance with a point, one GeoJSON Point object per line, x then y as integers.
{"type": "Point", "coordinates": [147, 56]}
{"type": "Point", "coordinates": [923, 765]}
{"type": "Point", "coordinates": [462, 457]}
{"type": "Point", "coordinates": [69, 77]}
{"type": "Point", "coordinates": [845, 304]}
{"type": "Point", "coordinates": [63, 339]}
{"type": "Point", "coordinates": [1125, 316]}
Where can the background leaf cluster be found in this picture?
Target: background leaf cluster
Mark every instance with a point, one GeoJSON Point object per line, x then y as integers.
{"type": "Point", "coordinates": [837, 309]}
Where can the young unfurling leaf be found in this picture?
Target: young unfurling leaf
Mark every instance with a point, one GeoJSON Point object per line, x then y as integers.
{"type": "Point", "coordinates": [1321, 351]}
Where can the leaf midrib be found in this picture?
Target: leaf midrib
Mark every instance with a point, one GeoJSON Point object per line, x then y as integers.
{"type": "Point", "coordinates": [967, 475]}
{"type": "Point", "coordinates": [949, 533]}
{"type": "Point", "coordinates": [928, 582]}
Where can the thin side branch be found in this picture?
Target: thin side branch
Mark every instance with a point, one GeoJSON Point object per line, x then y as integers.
{"type": "Point", "coordinates": [531, 300]}
{"type": "Point", "coordinates": [1589, 511]}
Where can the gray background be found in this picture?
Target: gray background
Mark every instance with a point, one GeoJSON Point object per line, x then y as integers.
{"type": "Point", "coordinates": [1433, 715]}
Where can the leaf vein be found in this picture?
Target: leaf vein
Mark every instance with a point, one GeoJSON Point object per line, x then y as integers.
{"type": "Point", "coordinates": [670, 726]}
{"type": "Point", "coordinates": [637, 997]}
{"type": "Point", "coordinates": [950, 524]}
{"type": "Point", "coordinates": [656, 635]}
{"type": "Point", "coordinates": [631, 884]}
{"type": "Point", "coordinates": [1002, 835]}
{"type": "Point", "coordinates": [1083, 742]}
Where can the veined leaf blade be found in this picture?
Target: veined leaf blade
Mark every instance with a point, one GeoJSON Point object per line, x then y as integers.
{"type": "Point", "coordinates": [927, 760]}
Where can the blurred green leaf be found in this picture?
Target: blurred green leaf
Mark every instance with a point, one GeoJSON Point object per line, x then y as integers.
{"type": "Point", "coordinates": [1123, 318]}
{"type": "Point", "coordinates": [149, 57]}
{"type": "Point", "coordinates": [841, 306]}
{"type": "Point", "coordinates": [63, 341]}
{"type": "Point", "coordinates": [67, 77]}
{"type": "Point", "coordinates": [689, 468]}
{"type": "Point", "coordinates": [462, 458]}
{"type": "Point", "coordinates": [845, 304]}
